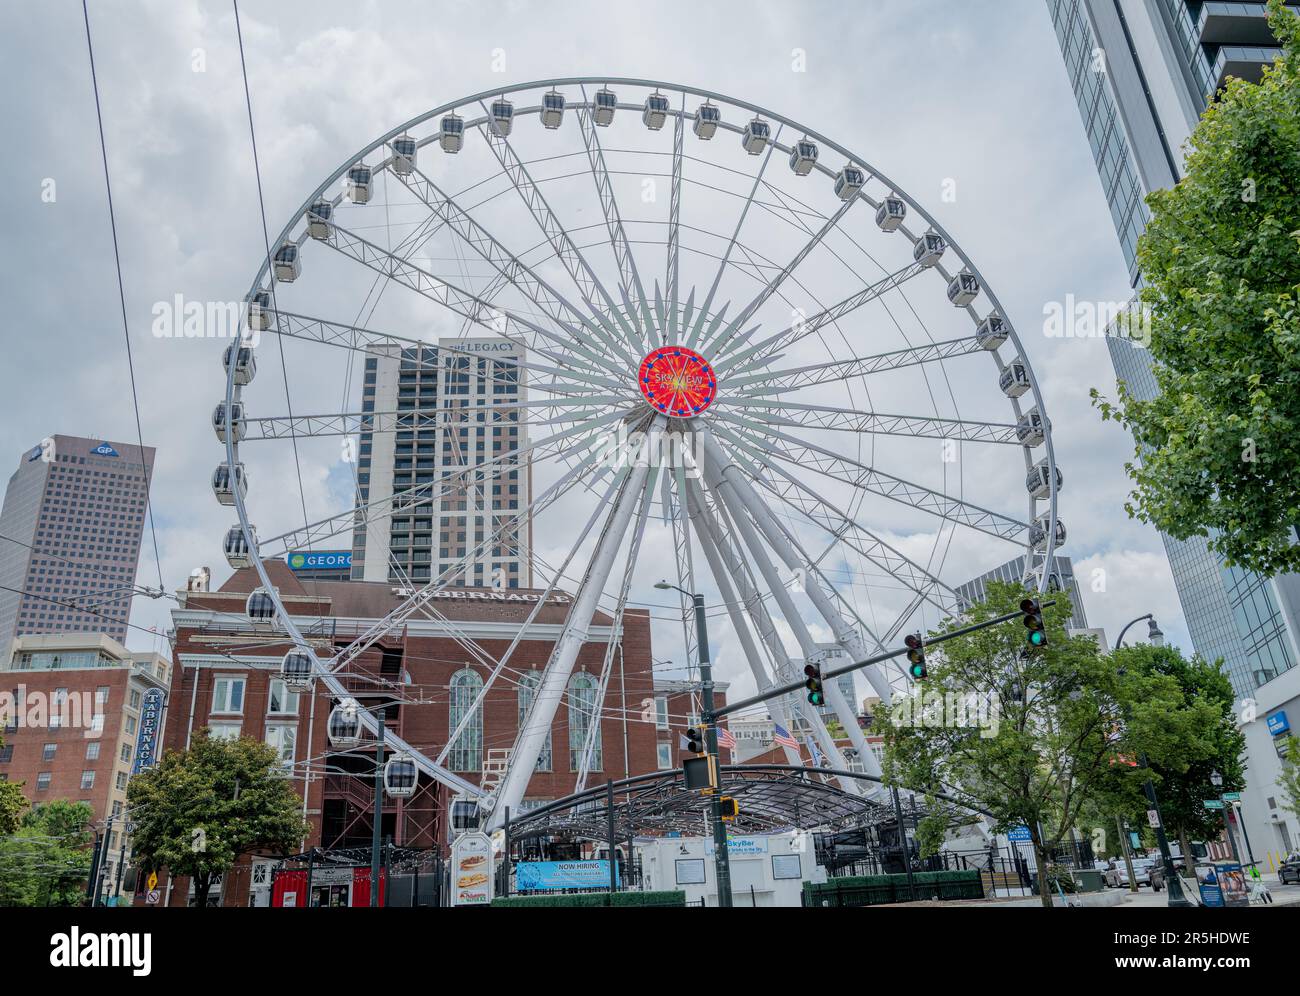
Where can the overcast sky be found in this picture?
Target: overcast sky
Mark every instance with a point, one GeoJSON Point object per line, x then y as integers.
{"type": "Point", "coordinates": [972, 94]}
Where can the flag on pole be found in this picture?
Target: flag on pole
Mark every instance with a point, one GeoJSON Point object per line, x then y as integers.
{"type": "Point", "coordinates": [781, 736]}
{"type": "Point", "coordinates": [726, 738]}
{"type": "Point", "coordinates": [682, 742]}
{"type": "Point", "coordinates": [816, 755]}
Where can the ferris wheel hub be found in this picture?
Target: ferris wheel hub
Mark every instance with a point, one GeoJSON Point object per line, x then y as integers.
{"type": "Point", "coordinates": [677, 381]}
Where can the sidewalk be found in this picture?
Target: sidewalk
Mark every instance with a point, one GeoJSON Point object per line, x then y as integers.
{"type": "Point", "coordinates": [1145, 898]}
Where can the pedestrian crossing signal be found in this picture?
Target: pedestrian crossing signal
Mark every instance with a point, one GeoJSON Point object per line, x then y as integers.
{"type": "Point", "coordinates": [730, 809]}
{"type": "Point", "coordinates": [695, 740]}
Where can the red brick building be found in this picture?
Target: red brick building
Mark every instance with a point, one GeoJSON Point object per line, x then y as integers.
{"type": "Point", "coordinates": [226, 678]}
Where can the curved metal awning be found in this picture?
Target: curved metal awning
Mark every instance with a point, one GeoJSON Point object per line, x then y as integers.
{"type": "Point", "coordinates": [771, 797]}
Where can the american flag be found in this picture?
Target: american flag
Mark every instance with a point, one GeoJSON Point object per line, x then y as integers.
{"type": "Point", "coordinates": [726, 738]}
{"type": "Point", "coordinates": [781, 736]}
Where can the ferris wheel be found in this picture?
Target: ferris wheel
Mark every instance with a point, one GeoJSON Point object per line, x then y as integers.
{"type": "Point", "coordinates": [750, 359]}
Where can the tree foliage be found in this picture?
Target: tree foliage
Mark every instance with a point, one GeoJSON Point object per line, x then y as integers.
{"type": "Point", "coordinates": [1289, 781]}
{"type": "Point", "coordinates": [46, 860]}
{"type": "Point", "coordinates": [232, 790]}
{"type": "Point", "coordinates": [1056, 722]}
{"type": "Point", "coordinates": [12, 804]}
{"type": "Point", "coordinates": [1219, 449]}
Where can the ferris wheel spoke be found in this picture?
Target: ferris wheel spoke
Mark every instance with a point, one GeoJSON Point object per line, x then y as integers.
{"type": "Point", "coordinates": [452, 572]}
{"type": "Point", "coordinates": [698, 330]}
{"type": "Point", "coordinates": [564, 653]}
{"type": "Point", "coordinates": [774, 284]}
{"type": "Point", "coordinates": [579, 270]}
{"type": "Point", "coordinates": [566, 316]}
{"type": "Point", "coordinates": [852, 472]}
{"type": "Point", "coordinates": [630, 279]}
{"type": "Point", "coordinates": [674, 487]}
{"type": "Point", "coordinates": [671, 273]}
{"type": "Point", "coordinates": [762, 351]}
{"type": "Point", "coordinates": [757, 412]}
{"type": "Point", "coordinates": [491, 317]}
{"type": "Point", "coordinates": [797, 378]}
{"type": "Point", "coordinates": [556, 444]}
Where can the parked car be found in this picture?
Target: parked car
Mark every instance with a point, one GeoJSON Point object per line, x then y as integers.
{"type": "Point", "coordinates": [1289, 870]}
{"type": "Point", "coordinates": [1146, 871]}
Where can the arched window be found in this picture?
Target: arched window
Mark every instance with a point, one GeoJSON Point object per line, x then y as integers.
{"type": "Point", "coordinates": [583, 711]}
{"type": "Point", "coordinates": [528, 685]}
{"type": "Point", "coordinates": [467, 751]}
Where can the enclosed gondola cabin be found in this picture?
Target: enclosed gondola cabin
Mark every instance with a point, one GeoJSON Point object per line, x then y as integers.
{"type": "Point", "coordinates": [359, 181]}
{"type": "Point", "coordinates": [401, 776]}
{"type": "Point", "coordinates": [552, 109]}
{"type": "Point", "coordinates": [503, 115]}
{"type": "Point", "coordinates": [288, 267]}
{"type": "Point", "coordinates": [405, 151]}
{"type": "Point", "coordinates": [259, 311]}
{"type": "Point", "coordinates": [655, 112]}
{"type": "Point", "coordinates": [344, 725]}
{"type": "Point", "coordinates": [1038, 482]}
{"type": "Point", "coordinates": [235, 547]}
{"type": "Point", "coordinates": [848, 182]}
{"type": "Point", "coordinates": [1030, 430]}
{"type": "Point", "coordinates": [1014, 379]}
{"type": "Point", "coordinates": [318, 219]}
{"type": "Point", "coordinates": [296, 670]}
{"type": "Point", "coordinates": [754, 138]}
{"type": "Point", "coordinates": [992, 332]}
{"type": "Point", "coordinates": [803, 157]}
{"type": "Point", "coordinates": [451, 133]}
{"type": "Point", "coordinates": [1038, 534]}
{"type": "Point", "coordinates": [963, 288]}
{"type": "Point", "coordinates": [707, 117]}
{"type": "Point", "coordinates": [236, 421]}
{"type": "Point", "coordinates": [260, 606]}
{"type": "Point", "coordinates": [241, 354]}
{"type": "Point", "coordinates": [226, 485]}
{"type": "Point", "coordinates": [890, 214]}
{"type": "Point", "coordinates": [929, 249]}
{"type": "Point", "coordinates": [603, 105]}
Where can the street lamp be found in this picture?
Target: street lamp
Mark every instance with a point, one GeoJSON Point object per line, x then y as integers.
{"type": "Point", "coordinates": [722, 862]}
{"type": "Point", "coordinates": [1154, 634]}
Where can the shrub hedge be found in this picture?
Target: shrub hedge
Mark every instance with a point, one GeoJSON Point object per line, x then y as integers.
{"type": "Point", "coordinates": [871, 890]}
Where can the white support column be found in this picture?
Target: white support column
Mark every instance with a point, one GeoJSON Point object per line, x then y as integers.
{"type": "Point", "coordinates": [722, 575]}
{"type": "Point", "coordinates": [555, 679]}
{"type": "Point", "coordinates": [731, 486]}
{"type": "Point", "coordinates": [768, 631]}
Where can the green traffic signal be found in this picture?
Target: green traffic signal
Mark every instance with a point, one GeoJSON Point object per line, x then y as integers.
{"type": "Point", "coordinates": [813, 683]}
{"type": "Point", "coordinates": [916, 655]}
{"type": "Point", "coordinates": [1037, 635]}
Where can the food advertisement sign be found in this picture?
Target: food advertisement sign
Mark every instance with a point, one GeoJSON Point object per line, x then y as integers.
{"type": "Point", "coordinates": [471, 870]}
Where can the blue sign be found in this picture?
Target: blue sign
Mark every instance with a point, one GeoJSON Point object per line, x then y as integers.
{"type": "Point", "coordinates": [532, 875]}
{"type": "Point", "coordinates": [321, 559]}
{"type": "Point", "coordinates": [1018, 835]}
{"type": "Point", "coordinates": [146, 744]}
{"type": "Point", "coordinates": [1207, 879]}
{"type": "Point", "coordinates": [1277, 724]}
{"type": "Point", "coordinates": [103, 449]}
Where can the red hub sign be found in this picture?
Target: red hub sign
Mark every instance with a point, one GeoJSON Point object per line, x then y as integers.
{"type": "Point", "coordinates": [677, 381]}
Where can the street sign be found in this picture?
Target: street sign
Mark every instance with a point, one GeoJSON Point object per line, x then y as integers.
{"type": "Point", "coordinates": [1153, 818]}
{"type": "Point", "coordinates": [1018, 835]}
{"type": "Point", "coordinates": [1213, 803]}
{"type": "Point", "coordinates": [152, 881]}
{"type": "Point", "coordinates": [152, 897]}
{"type": "Point", "coordinates": [1232, 797]}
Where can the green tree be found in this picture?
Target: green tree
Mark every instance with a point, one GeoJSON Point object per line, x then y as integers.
{"type": "Point", "coordinates": [1218, 451]}
{"type": "Point", "coordinates": [46, 861]}
{"type": "Point", "coordinates": [1290, 779]}
{"type": "Point", "coordinates": [234, 791]}
{"type": "Point", "coordinates": [1053, 722]}
{"type": "Point", "coordinates": [12, 803]}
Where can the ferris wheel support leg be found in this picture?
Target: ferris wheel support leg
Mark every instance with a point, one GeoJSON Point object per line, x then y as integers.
{"type": "Point", "coordinates": [574, 634]}
{"type": "Point", "coordinates": [731, 488]}
{"type": "Point", "coordinates": [722, 574]}
{"type": "Point", "coordinates": [777, 588]}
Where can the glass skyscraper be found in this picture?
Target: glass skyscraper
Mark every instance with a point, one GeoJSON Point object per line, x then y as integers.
{"type": "Point", "coordinates": [1142, 72]}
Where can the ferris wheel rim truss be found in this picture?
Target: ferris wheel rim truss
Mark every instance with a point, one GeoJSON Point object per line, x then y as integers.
{"type": "Point", "coordinates": [729, 500]}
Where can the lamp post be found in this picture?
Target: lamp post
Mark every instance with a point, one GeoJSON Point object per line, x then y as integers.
{"type": "Point", "coordinates": [1216, 780]}
{"type": "Point", "coordinates": [722, 862]}
{"type": "Point", "coordinates": [1172, 882]}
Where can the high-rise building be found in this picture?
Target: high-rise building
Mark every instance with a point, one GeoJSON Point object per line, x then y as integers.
{"type": "Point", "coordinates": [70, 533]}
{"type": "Point", "coordinates": [444, 412]}
{"type": "Point", "coordinates": [1060, 578]}
{"type": "Point", "coordinates": [1143, 72]}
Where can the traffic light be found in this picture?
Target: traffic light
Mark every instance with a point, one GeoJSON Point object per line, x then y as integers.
{"type": "Point", "coordinates": [695, 740]}
{"type": "Point", "coordinates": [816, 696]}
{"type": "Point", "coordinates": [730, 809]}
{"type": "Point", "coordinates": [1036, 635]}
{"type": "Point", "coordinates": [916, 656]}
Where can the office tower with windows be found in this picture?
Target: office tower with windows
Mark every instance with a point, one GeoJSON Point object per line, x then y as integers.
{"type": "Point", "coordinates": [438, 467]}
{"type": "Point", "coordinates": [71, 524]}
{"type": "Point", "coordinates": [1060, 578]}
{"type": "Point", "coordinates": [1143, 72]}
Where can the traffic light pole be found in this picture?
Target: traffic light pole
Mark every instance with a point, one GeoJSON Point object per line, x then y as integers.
{"type": "Point", "coordinates": [721, 860]}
